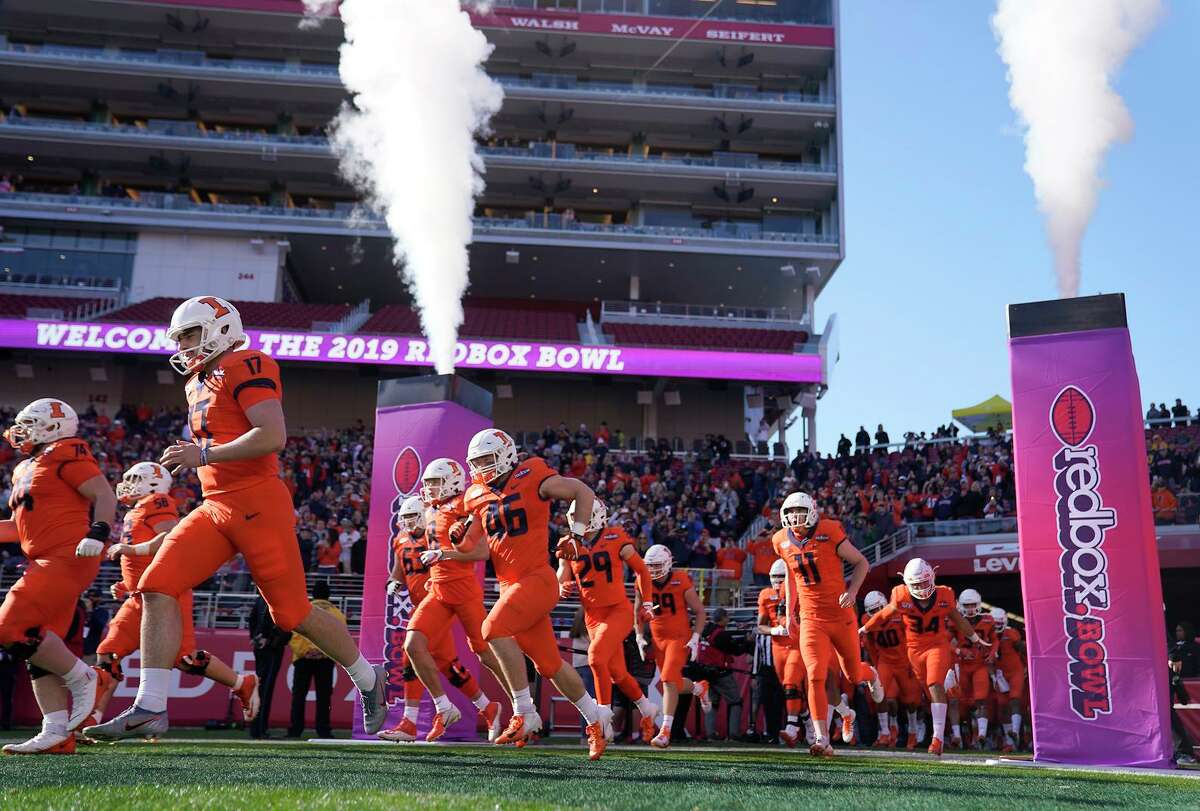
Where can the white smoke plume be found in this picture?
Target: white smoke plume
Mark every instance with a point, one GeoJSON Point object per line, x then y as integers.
{"type": "Point", "coordinates": [1061, 57]}
{"type": "Point", "coordinates": [414, 69]}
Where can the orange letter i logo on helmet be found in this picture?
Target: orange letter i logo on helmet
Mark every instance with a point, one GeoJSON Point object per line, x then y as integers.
{"type": "Point", "coordinates": [219, 309]}
{"type": "Point", "coordinates": [56, 410]}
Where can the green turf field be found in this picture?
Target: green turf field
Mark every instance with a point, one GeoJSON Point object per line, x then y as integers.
{"type": "Point", "coordinates": [285, 776]}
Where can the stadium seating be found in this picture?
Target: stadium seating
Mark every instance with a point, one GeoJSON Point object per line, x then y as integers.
{"type": "Point", "coordinates": [491, 319]}
{"type": "Point", "coordinates": [735, 338]}
{"type": "Point", "coordinates": [19, 306]}
{"type": "Point", "coordinates": [254, 313]}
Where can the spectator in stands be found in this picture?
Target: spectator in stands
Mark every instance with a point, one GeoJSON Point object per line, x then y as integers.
{"type": "Point", "coordinates": [583, 437]}
{"type": "Point", "coordinates": [881, 436]}
{"type": "Point", "coordinates": [269, 642]}
{"type": "Point", "coordinates": [6, 185]}
{"type": "Point", "coordinates": [1181, 413]}
{"type": "Point", "coordinates": [763, 553]}
{"type": "Point", "coordinates": [730, 560]}
{"type": "Point", "coordinates": [310, 665]}
{"type": "Point", "coordinates": [307, 547]}
{"type": "Point", "coordinates": [862, 440]}
{"type": "Point", "coordinates": [843, 446]}
{"type": "Point", "coordinates": [347, 538]}
{"type": "Point", "coordinates": [1163, 502]}
{"type": "Point", "coordinates": [602, 433]}
{"type": "Point", "coordinates": [329, 555]}
{"type": "Point", "coordinates": [703, 555]}
{"type": "Point", "coordinates": [723, 448]}
{"type": "Point", "coordinates": [1153, 413]}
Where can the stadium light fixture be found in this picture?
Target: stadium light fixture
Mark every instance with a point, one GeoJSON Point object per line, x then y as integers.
{"type": "Point", "coordinates": [512, 257]}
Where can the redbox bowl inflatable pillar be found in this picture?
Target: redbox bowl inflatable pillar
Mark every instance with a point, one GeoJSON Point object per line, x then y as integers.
{"type": "Point", "coordinates": [417, 420]}
{"type": "Point", "coordinates": [1089, 559]}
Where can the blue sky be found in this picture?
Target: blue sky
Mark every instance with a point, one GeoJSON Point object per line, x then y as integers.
{"type": "Point", "coordinates": [942, 230]}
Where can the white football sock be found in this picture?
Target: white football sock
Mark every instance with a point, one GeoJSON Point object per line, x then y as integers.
{"type": "Point", "coordinates": [912, 722]}
{"type": "Point", "coordinates": [1016, 725]}
{"type": "Point", "coordinates": [362, 674]}
{"type": "Point", "coordinates": [152, 689]}
{"type": "Point", "coordinates": [820, 729]}
{"type": "Point", "coordinates": [442, 703]}
{"type": "Point", "coordinates": [646, 707]}
{"type": "Point", "coordinates": [78, 674]}
{"type": "Point", "coordinates": [939, 719]}
{"type": "Point", "coordinates": [411, 711]}
{"type": "Point", "coordinates": [668, 721]}
{"type": "Point", "coordinates": [480, 701]}
{"type": "Point", "coordinates": [793, 720]}
{"type": "Point", "coordinates": [55, 722]}
{"type": "Point", "coordinates": [588, 708]}
{"type": "Point", "coordinates": [982, 724]}
{"type": "Point", "coordinates": [522, 702]}
{"type": "Point", "coordinates": [238, 682]}
{"type": "Point", "coordinates": [843, 708]}
{"type": "Point", "coordinates": [884, 723]}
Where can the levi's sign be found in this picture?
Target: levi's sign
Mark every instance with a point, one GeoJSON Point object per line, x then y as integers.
{"type": "Point", "coordinates": [414, 351]}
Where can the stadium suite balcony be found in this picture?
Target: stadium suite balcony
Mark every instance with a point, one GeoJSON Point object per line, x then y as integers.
{"type": "Point", "coordinates": [192, 137]}
{"type": "Point", "coordinates": [786, 12]}
{"type": "Point", "coordinates": [196, 65]}
{"type": "Point", "coordinates": [178, 211]}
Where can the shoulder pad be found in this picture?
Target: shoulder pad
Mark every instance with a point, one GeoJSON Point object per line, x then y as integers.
{"type": "Point", "coordinates": [479, 496]}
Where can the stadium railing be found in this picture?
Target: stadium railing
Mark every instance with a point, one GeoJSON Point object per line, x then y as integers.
{"type": "Point", "coordinates": [199, 64]}
{"type": "Point", "coordinates": [666, 313]}
{"type": "Point", "coordinates": [350, 218]}
{"type": "Point", "coordinates": [964, 526]}
{"type": "Point", "coordinates": [188, 133]}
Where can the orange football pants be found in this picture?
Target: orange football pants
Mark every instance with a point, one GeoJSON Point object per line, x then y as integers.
{"type": "Point", "coordinates": [607, 628]}
{"type": "Point", "coordinates": [258, 522]}
{"type": "Point", "coordinates": [976, 683]}
{"type": "Point", "coordinates": [1015, 676]}
{"type": "Point", "coordinates": [125, 628]}
{"type": "Point", "coordinates": [44, 597]}
{"type": "Point", "coordinates": [522, 613]}
{"type": "Point", "coordinates": [445, 601]}
{"type": "Point", "coordinates": [931, 664]}
{"type": "Point", "coordinates": [671, 655]}
{"type": "Point", "coordinates": [820, 641]}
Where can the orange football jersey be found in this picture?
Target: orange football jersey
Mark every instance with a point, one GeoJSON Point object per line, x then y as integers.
{"type": "Point", "coordinates": [517, 520]}
{"type": "Point", "coordinates": [138, 528]}
{"type": "Point", "coordinates": [416, 574]}
{"type": "Point", "coordinates": [925, 627]}
{"type": "Point", "coordinates": [887, 643]}
{"type": "Point", "coordinates": [1010, 658]}
{"type": "Point", "coordinates": [971, 656]}
{"type": "Point", "coordinates": [217, 403]}
{"type": "Point", "coordinates": [438, 521]}
{"type": "Point", "coordinates": [770, 606]}
{"type": "Point", "coordinates": [600, 571]}
{"type": "Point", "coordinates": [46, 504]}
{"type": "Point", "coordinates": [816, 568]}
{"type": "Point", "coordinates": [671, 620]}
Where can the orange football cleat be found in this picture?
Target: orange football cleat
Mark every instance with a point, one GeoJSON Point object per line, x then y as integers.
{"type": "Point", "coordinates": [520, 729]}
{"type": "Point", "coordinates": [490, 715]}
{"type": "Point", "coordinates": [248, 695]}
{"type": "Point", "coordinates": [44, 743]}
{"type": "Point", "coordinates": [821, 749]}
{"type": "Point", "coordinates": [662, 740]}
{"type": "Point", "coordinates": [935, 747]}
{"type": "Point", "coordinates": [441, 721]}
{"type": "Point", "coordinates": [404, 731]}
{"type": "Point", "coordinates": [912, 742]}
{"type": "Point", "coordinates": [597, 740]}
{"type": "Point", "coordinates": [648, 728]}
{"type": "Point", "coordinates": [791, 738]}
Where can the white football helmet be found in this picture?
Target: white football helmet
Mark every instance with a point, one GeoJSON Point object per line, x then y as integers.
{"type": "Point", "coordinates": [491, 455]}
{"type": "Point", "coordinates": [874, 602]}
{"type": "Point", "coordinates": [42, 422]}
{"type": "Point", "coordinates": [412, 513]}
{"type": "Point", "coordinates": [918, 576]}
{"type": "Point", "coordinates": [1000, 617]}
{"type": "Point", "coordinates": [659, 561]}
{"type": "Point", "coordinates": [141, 480]}
{"type": "Point", "coordinates": [220, 329]}
{"type": "Point", "coordinates": [778, 573]}
{"type": "Point", "coordinates": [597, 522]}
{"type": "Point", "coordinates": [442, 480]}
{"type": "Point", "coordinates": [969, 602]}
{"type": "Point", "coordinates": [799, 511]}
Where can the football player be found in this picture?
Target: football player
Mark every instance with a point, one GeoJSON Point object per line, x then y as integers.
{"type": "Point", "coordinates": [815, 550]}
{"type": "Point", "coordinates": [62, 508]}
{"type": "Point", "coordinates": [151, 514]}
{"type": "Point", "coordinates": [888, 650]}
{"type": "Point", "coordinates": [976, 662]}
{"type": "Point", "coordinates": [676, 640]}
{"type": "Point", "coordinates": [454, 591]}
{"type": "Point", "coordinates": [235, 415]}
{"type": "Point", "coordinates": [1009, 676]}
{"type": "Point", "coordinates": [596, 576]}
{"type": "Point", "coordinates": [785, 648]}
{"type": "Point", "coordinates": [511, 500]}
{"type": "Point", "coordinates": [928, 609]}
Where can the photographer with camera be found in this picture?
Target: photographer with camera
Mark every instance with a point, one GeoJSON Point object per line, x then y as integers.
{"type": "Point", "coordinates": [719, 646]}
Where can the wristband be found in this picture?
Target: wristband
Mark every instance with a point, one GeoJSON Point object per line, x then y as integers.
{"type": "Point", "coordinates": [141, 549]}
{"type": "Point", "coordinates": [974, 639]}
{"type": "Point", "coordinates": [203, 455]}
{"type": "Point", "coordinates": [99, 531]}
{"type": "Point", "coordinates": [578, 529]}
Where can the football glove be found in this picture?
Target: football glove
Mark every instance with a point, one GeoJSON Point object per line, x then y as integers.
{"type": "Point", "coordinates": [118, 591]}
{"type": "Point", "coordinates": [646, 613]}
{"type": "Point", "coordinates": [394, 587]}
{"type": "Point", "coordinates": [641, 643]}
{"type": "Point", "coordinates": [567, 590]}
{"type": "Point", "coordinates": [89, 548]}
{"type": "Point", "coordinates": [693, 645]}
{"type": "Point", "coordinates": [778, 630]}
{"type": "Point", "coordinates": [999, 682]}
{"type": "Point", "coordinates": [568, 548]}
{"type": "Point", "coordinates": [431, 556]}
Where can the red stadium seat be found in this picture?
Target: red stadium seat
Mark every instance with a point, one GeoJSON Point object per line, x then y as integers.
{"type": "Point", "coordinates": [18, 306]}
{"type": "Point", "coordinates": [497, 320]}
{"type": "Point", "coordinates": [277, 315]}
